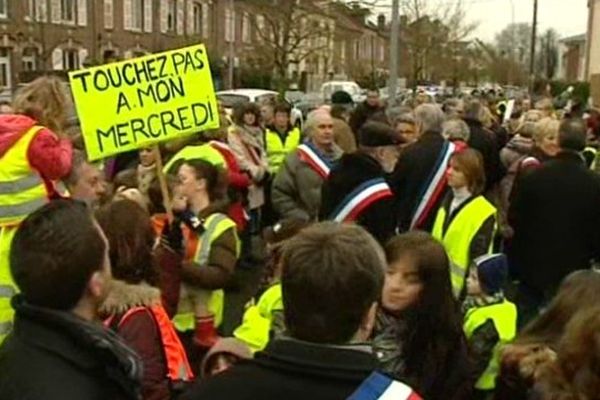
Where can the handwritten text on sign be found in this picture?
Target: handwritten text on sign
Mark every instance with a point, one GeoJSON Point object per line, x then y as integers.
{"type": "Point", "coordinates": [134, 103]}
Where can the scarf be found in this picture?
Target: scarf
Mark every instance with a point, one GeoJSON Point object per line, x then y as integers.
{"type": "Point", "coordinates": [482, 301]}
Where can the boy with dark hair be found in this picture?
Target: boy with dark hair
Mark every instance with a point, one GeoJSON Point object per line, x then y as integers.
{"type": "Point", "coordinates": [331, 282]}
{"type": "Point", "coordinates": [57, 350]}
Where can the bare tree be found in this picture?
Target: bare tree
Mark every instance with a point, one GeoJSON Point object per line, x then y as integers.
{"type": "Point", "coordinates": [289, 32]}
{"type": "Point", "coordinates": [433, 32]}
{"type": "Point", "coordinates": [547, 60]}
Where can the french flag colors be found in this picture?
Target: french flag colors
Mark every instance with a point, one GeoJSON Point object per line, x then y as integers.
{"type": "Point", "coordinates": [360, 198]}
{"type": "Point", "coordinates": [380, 387]}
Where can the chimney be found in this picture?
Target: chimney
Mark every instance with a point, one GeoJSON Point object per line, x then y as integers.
{"type": "Point", "coordinates": [381, 22]}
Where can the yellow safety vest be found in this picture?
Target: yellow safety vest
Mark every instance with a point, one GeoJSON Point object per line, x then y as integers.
{"type": "Point", "coordinates": [278, 150]}
{"type": "Point", "coordinates": [504, 316]}
{"type": "Point", "coordinates": [22, 190]}
{"type": "Point", "coordinates": [459, 234]}
{"type": "Point", "coordinates": [255, 329]}
{"type": "Point", "coordinates": [215, 225]}
{"type": "Point", "coordinates": [202, 152]}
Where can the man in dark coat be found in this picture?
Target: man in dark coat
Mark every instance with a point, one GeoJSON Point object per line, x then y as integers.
{"type": "Point", "coordinates": [59, 260]}
{"type": "Point", "coordinates": [419, 179]}
{"type": "Point", "coordinates": [485, 141]}
{"type": "Point", "coordinates": [356, 190]}
{"type": "Point", "coordinates": [365, 110]}
{"type": "Point", "coordinates": [332, 279]}
{"type": "Point", "coordinates": [556, 218]}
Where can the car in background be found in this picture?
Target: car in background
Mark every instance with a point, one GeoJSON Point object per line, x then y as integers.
{"type": "Point", "coordinates": [231, 98]}
{"type": "Point", "coordinates": [350, 87]}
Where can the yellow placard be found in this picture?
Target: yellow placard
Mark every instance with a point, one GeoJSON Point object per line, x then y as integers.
{"type": "Point", "coordinates": [134, 103]}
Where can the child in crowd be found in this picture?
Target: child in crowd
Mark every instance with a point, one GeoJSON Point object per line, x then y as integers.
{"type": "Point", "coordinates": [490, 319]}
{"type": "Point", "coordinates": [418, 335]}
{"type": "Point", "coordinates": [264, 320]}
{"type": "Point", "coordinates": [223, 355]}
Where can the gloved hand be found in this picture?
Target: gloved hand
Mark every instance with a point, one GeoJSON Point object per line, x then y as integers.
{"type": "Point", "coordinates": [192, 221]}
{"type": "Point", "coordinates": [172, 236]}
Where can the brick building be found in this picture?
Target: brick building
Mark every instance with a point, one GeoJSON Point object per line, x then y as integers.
{"type": "Point", "coordinates": [62, 35]}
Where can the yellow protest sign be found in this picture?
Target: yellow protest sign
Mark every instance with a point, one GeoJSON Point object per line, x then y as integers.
{"type": "Point", "coordinates": [134, 103]}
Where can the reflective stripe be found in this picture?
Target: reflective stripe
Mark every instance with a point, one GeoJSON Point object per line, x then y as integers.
{"type": "Point", "coordinates": [5, 328]}
{"type": "Point", "coordinates": [21, 184]}
{"type": "Point", "coordinates": [457, 270]}
{"type": "Point", "coordinates": [7, 291]}
{"type": "Point", "coordinates": [204, 253]}
{"type": "Point", "coordinates": [22, 209]}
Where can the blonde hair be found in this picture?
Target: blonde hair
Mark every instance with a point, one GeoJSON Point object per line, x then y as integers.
{"type": "Point", "coordinates": [44, 100]}
{"type": "Point", "coordinates": [546, 127]}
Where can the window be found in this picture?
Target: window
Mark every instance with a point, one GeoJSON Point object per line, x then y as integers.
{"type": "Point", "coordinates": [260, 25]}
{"type": "Point", "coordinates": [197, 18]}
{"type": "Point", "coordinates": [36, 10]}
{"type": "Point", "coordinates": [29, 59]}
{"type": "Point", "coordinates": [3, 8]}
{"type": "Point", "coordinates": [137, 14]}
{"type": "Point", "coordinates": [172, 15]}
{"type": "Point", "coordinates": [67, 10]}
{"type": "Point", "coordinates": [229, 25]}
{"type": "Point", "coordinates": [108, 14]}
{"type": "Point", "coordinates": [5, 68]}
{"type": "Point", "coordinates": [246, 28]}
{"type": "Point", "coordinates": [70, 59]}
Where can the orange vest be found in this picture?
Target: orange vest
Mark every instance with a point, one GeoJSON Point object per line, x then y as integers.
{"type": "Point", "coordinates": [178, 366]}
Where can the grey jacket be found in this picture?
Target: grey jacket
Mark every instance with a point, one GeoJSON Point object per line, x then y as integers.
{"type": "Point", "coordinates": [296, 191]}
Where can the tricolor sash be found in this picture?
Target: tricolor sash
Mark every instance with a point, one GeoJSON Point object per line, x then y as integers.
{"type": "Point", "coordinates": [380, 387]}
{"type": "Point", "coordinates": [313, 158]}
{"type": "Point", "coordinates": [433, 187]}
{"type": "Point", "coordinates": [360, 198]}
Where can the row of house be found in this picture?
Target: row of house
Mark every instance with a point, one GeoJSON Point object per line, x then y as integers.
{"type": "Point", "coordinates": [63, 35]}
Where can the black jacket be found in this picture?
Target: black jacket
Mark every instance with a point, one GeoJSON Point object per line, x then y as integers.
{"type": "Point", "coordinates": [556, 219]}
{"type": "Point", "coordinates": [290, 370]}
{"type": "Point", "coordinates": [412, 173]}
{"type": "Point", "coordinates": [361, 114]}
{"type": "Point", "coordinates": [484, 141]}
{"type": "Point", "coordinates": [353, 170]}
{"type": "Point", "coordinates": [55, 355]}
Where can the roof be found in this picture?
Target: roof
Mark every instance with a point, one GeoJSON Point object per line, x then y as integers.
{"type": "Point", "coordinates": [576, 38]}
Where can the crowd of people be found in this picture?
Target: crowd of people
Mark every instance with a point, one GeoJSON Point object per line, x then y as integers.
{"type": "Point", "coordinates": [419, 251]}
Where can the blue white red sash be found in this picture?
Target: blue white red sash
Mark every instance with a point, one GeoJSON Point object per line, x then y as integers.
{"type": "Point", "coordinates": [313, 158]}
{"type": "Point", "coordinates": [380, 387]}
{"type": "Point", "coordinates": [434, 186]}
{"type": "Point", "coordinates": [360, 198]}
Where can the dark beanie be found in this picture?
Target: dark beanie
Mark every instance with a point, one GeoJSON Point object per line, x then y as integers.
{"type": "Point", "coordinates": [341, 97]}
{"type": "Point", "coordinates": [377, 134]}
{"type": "Point", "coordinates": [492, 271]}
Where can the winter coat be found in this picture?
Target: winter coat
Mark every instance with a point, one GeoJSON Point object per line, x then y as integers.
{"type": "Point", "coordinates": [344, 136]}
{"type": "Point", "coordinates": [47, 154]}
{"type": "Point", "coordinates": [56, 355]}
{"type": "Point", "coordinates": [352, 171]}
{"type": "Point", "coordinates": [454, 380]}
{"type": "Point", "coordinates": [291, 370]}
{"type": "Point", "coordinates": [516, 148]}
{"type": "Point", "coordinates": [249, 150]}
{"type": "Point", "coordinates": [361, 114]}
{"type": "Point", "coordinates": [296, 190]}
{"type": "Point", "coordinates": [141, 332]}
{"type": "Point", "coordinates": [555, 217]}
{"type": "Point", "coordinates": [410, 176]}
{"type": "Point", "coordinates": [484, 141]}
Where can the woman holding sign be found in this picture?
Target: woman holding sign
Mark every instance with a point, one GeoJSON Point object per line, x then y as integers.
{"type": "Point", "coordinates": [211, 251]}
{"type": "Point", "coordinates": [32, 159]}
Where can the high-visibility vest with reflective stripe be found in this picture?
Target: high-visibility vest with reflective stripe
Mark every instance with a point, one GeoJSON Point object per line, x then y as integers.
{"type": "Point", "coordinates": [255, 329]}
{"type": "Point", "coordinates": [22, 190]}
{"type": "Point", "coordinates": [202, 152]}
{"type": "Point", "coordinates": [277, 149]}
{"type": "Point", "coordinates": [215, 225]}
{"type": "Point", "coordinates": [459, 234]}
{"type": "Point", "coordinates": [7, 286]}
{"type": "Point", "coordinates": [178, 366]}
{"type": "Point", "coordinates": [504, 316]}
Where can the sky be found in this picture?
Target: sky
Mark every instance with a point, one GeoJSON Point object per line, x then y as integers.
{"type": "Point", "coordinates": [568, 17]}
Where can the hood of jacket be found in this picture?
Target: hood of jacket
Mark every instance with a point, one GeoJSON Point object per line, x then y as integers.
{"type": "Point", "coordinates": [231, 346]}
{"type": "Point", "coordinates": [124, 296]}
{"type": "Point", "coordinates": [12, 128]}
